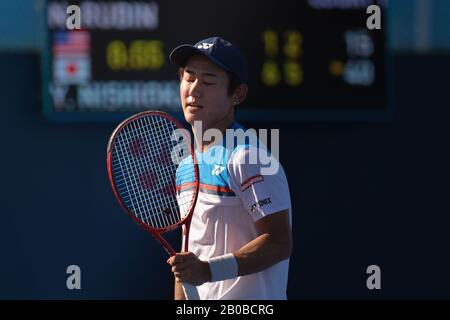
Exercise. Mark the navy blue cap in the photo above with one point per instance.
(224, 54)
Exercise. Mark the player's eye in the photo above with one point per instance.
(189, 77)
(208, 81)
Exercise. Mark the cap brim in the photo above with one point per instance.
(181, 54)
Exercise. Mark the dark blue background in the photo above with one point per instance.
(363, 194)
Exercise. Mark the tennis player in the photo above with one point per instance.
(240, 238)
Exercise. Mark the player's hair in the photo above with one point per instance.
(233, 81)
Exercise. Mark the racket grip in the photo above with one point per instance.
(190, 291)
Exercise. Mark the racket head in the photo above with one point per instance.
(143, 174)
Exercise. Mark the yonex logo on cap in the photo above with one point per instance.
(205, 45)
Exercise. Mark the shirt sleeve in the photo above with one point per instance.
(263, 188)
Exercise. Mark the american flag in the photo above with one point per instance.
(71, 43)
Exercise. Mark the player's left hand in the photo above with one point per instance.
(187, 267)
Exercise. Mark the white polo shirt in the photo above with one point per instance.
(233, 195)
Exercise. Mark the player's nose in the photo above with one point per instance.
(195, 89)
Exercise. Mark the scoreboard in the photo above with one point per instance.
(308, 59)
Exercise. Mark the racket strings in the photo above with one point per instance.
(134, 196)
(143, 198)
(161, 203)
(142, 202)
(146, 179)
(165, 177)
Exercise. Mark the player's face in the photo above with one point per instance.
(203, 91)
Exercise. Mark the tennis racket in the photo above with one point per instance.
(154, 176)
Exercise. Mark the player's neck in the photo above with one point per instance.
(222, 125)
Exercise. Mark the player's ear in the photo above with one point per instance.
(240, 94)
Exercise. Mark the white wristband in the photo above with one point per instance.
(223, 267)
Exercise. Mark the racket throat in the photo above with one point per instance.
(165, 244)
